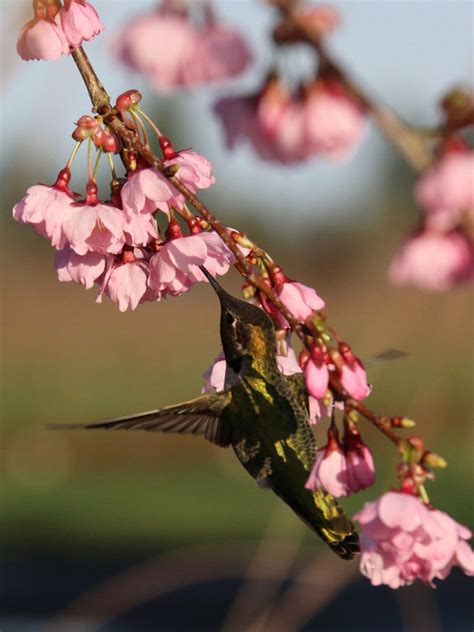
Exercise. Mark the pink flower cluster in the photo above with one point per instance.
(340, 367)
(174, 53)
(322, 118)
(117, 244)
(56, 30)
(343, 468)
(404, 540)
(441, 254)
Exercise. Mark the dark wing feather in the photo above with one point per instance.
(200, 416)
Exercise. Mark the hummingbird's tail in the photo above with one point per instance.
(324, 515)
(334, 526)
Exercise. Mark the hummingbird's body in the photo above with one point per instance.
(263, 415)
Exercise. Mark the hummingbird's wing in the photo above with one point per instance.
(200, 416)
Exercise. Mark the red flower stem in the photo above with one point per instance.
(101, 105)
(409, 142)
(381, 423)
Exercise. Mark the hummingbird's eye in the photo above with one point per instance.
(229, 319)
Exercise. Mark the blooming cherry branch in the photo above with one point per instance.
(117, 244)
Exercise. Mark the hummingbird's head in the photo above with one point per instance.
(247, 332)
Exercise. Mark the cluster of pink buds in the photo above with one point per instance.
(177, 46)
(56, 29)
(343, 468)
(319, 118)
(92, 127)
(116, 243)
(440, 254)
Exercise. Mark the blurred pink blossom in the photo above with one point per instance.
(403, 540)
(46, 208)
(175, 267)
(223, 53)
(175, 53)
(84, 269)
(42, 38)
(446, 190)
(79, 21)
(95, 228)
(433, 261)
(320, 119)
(335, 120)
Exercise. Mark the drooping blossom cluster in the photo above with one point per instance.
(284, 126)
(404, 540)
(440, 254)
(180, 47)
(343, 468)
(288, 123)
(116, 243)
(56, 30)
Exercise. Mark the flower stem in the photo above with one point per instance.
(73, 154)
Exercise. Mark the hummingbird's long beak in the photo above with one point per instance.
(215, 285)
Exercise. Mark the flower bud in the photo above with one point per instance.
(128, 100)
(402, 422)
(167, 148)
(431, 459)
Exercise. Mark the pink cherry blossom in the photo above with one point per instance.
(127, 284)
(433, 261)
(139, 228)
(403, 540)
(79, 21)
(300, 299)
(162, 47)
(224, 52)
(446, 190)
(319, 119)
(84, 269)
(360, 469)
(195, 171)
(42, 38)
(46, 208)
(354, 380)
(335, 121)
(175, 267)
(148, 190)
(96, 228)
(330, 469)
(176, 53)
(317, 378)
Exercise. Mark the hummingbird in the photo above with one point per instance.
(262, 414)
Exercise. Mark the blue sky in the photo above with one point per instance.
(406, 53)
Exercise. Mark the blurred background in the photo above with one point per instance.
(134, 532)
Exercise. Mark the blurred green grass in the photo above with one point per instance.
(67, 359)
